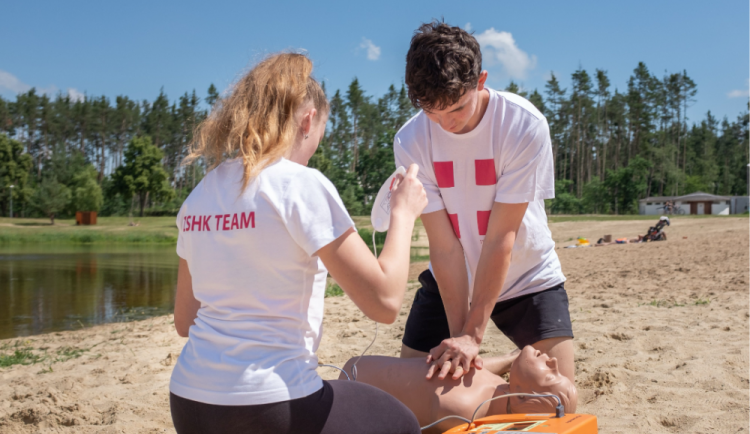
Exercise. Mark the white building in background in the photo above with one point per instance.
(693, 203)
(740, 204)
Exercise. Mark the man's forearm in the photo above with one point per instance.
(491, 272)
(450, 273)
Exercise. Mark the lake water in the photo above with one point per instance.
(52, 288)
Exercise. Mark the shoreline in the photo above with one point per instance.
(163, 231)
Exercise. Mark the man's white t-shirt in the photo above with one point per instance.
(507, 158)
(252, 258)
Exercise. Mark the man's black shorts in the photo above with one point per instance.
(524, 320)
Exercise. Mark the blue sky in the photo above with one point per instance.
(135, 48)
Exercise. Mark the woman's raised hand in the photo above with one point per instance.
(408, 195)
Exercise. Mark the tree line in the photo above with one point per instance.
(611, 147)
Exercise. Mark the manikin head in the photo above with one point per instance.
(445, 77)
(535, 372)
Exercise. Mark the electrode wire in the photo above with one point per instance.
(446, 418)
(335, 367)
(453, 416)
(559, 403)
(354, 366)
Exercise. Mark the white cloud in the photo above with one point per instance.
(468, 28)
(373, 51)
(739, 93)
(500, 47)
(10, 82)
(75, 94)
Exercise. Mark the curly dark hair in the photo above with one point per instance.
(442, 63)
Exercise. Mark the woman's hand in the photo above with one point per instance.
(408, 195)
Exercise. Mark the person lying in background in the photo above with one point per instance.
(531, 371)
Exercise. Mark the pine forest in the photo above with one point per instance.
(612, 146)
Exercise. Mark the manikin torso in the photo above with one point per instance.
(433, 399)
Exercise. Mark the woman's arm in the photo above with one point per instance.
(377, 286)
(185, 305)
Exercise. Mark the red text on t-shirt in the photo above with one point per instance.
(222, 222)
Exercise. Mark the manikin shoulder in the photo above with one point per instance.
(462, 397)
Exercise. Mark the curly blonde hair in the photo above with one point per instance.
(256, 120)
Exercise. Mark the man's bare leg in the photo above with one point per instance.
(561, 348)
(408, 353)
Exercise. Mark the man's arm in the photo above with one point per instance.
(449, 267)
(460, 352)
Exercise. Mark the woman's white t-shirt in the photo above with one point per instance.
(251, 255)
(507, 158)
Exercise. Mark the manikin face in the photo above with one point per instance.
(535, 372)
(457, 118)
(534, 368)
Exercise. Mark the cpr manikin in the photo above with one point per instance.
(431, 400)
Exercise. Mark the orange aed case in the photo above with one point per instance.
(537, 423)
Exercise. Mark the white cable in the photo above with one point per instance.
(445, 418)
(354, 366)
(559, 403)
(335, 367)
(559, 412)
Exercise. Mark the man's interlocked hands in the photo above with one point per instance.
(455, 355)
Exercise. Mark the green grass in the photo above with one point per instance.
(21, 356)
(364, 222)
(20, 353)
(67, 353)
(116, 230)
(334, 290)
(162, 230)
(108, 230)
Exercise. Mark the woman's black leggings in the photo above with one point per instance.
(339, 407)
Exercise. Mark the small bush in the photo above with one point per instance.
(333, 290)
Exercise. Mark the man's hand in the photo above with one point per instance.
(455, 355)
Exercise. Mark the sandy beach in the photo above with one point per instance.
(662, 342)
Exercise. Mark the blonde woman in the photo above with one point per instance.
(257, 238)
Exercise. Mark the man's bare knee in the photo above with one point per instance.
(408, 353)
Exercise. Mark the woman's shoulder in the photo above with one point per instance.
(286, 174)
